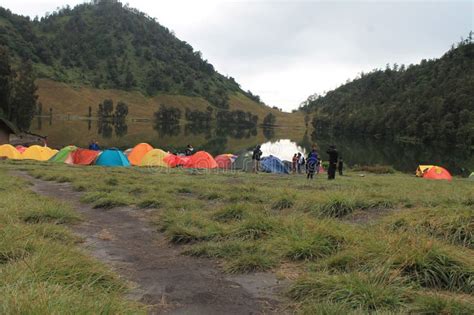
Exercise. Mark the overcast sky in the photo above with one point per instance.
(285, 51)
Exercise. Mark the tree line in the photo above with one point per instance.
(429, 102)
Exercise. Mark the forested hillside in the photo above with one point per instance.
(105, 44)
(429, 102)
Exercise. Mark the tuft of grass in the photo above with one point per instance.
(230, 213)
(312, 248)
(337, 208)
(111, 181)
(255, 228)
(184, 190)
(367, 292)
(250, 262)
(283, 203)
(438, 304)
(435, 268)
(150, 204)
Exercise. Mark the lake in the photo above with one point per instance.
(282, 142)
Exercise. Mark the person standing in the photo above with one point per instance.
(294, 163)
(256, 156)
(333, 157)
(311, 163)
(301, 162)
(340, 166)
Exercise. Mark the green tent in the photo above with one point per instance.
(243, 162)
(62, 155)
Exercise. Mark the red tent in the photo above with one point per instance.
(224, 161)
(84, 157)
(176, 160)
(201, 159)
(437, 172)
(21, 148)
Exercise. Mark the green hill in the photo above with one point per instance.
(106, 45)
(429, 102)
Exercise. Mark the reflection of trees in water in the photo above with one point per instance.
(216, 146)
(198, 129)
(402, 156)
(167, 129)
(236, 132)
(121, 128)
(268, 132)
(104, 128)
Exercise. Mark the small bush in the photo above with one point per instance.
(230, 213)
(375, 169)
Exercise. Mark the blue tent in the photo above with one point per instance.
(272, 164)
(112, 157)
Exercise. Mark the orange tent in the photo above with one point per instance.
(84, 156)
(201, 159)
(437, 172)
(139, 151)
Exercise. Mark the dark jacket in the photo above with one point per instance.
(333, 155)
(257, 154)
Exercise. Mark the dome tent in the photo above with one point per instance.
(63, 154)
(201, 159)
(10, 152)
(225, 161)
(438, 173)
(243, 162)
(155, 157)
(422, 169)
(38, 153)
(138, 152)
(272, 164)
(113, 157)
(84, 156)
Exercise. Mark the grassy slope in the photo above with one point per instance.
(41, 269)
(385, 243)
(66, 99)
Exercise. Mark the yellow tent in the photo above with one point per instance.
(422, 169)
(38, 153)
(10, 152)
(155, 157)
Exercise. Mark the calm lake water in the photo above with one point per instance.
(281, 142)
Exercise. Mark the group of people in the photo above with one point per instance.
(312, 162)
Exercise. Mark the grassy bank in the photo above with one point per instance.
(385, 243)
(42, 271)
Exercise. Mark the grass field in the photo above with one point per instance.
(381, 243)
(42, 271)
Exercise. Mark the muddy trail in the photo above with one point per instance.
(168, 281)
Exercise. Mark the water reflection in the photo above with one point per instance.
(280, 142)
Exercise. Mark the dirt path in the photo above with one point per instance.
(170, 282)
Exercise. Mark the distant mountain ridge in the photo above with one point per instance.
(429, 102)
(105, 44)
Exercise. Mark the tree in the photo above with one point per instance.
(24, 101)
(269, 120)
(6, 76)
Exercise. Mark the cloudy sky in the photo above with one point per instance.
(286, 50)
